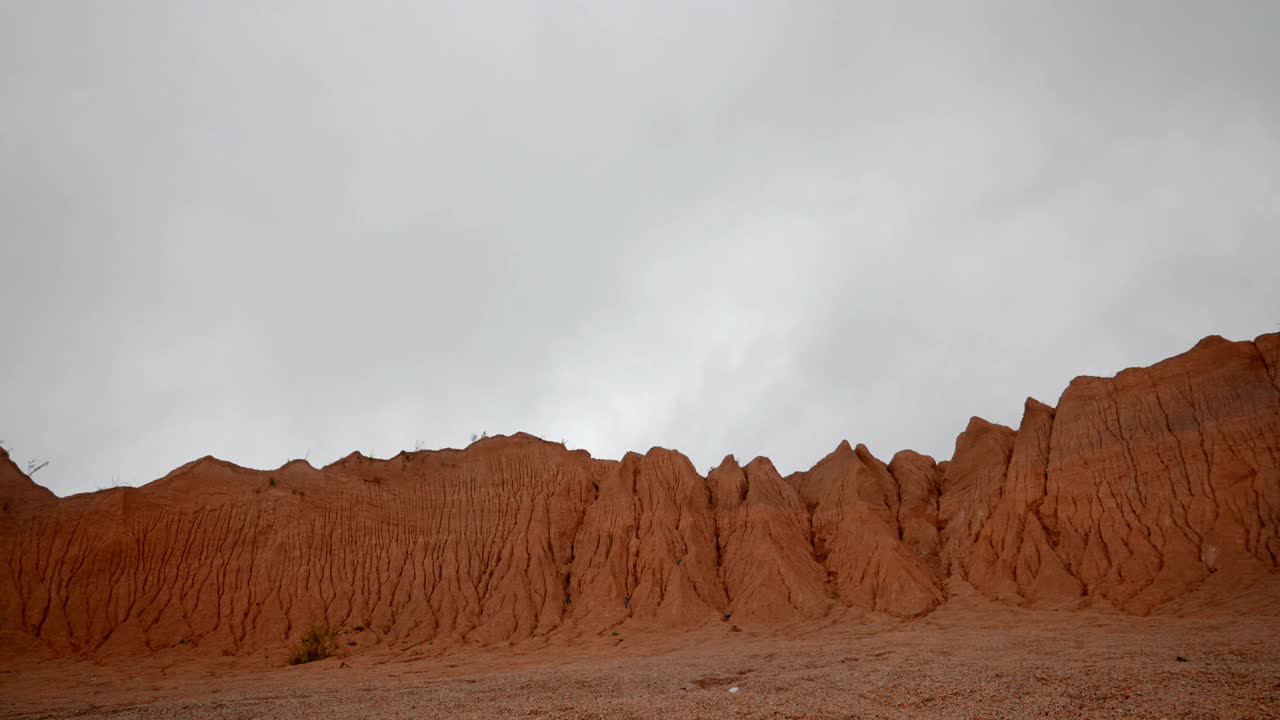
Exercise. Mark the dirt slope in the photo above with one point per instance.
(1154, 489)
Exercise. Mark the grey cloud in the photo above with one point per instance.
(259, 230)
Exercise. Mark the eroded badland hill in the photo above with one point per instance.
(1155, 493)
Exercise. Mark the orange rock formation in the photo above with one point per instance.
(1155, 487)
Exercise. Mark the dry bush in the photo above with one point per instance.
(317, 643)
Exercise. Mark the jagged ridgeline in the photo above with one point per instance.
(1160, 485)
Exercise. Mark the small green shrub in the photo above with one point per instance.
(317, 643)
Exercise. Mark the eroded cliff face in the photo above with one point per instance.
(646, 548)
(1135, 491)
(856, 515)
(449, 545)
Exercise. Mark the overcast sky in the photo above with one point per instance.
(264, 230)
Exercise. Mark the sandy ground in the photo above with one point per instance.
(970, 659)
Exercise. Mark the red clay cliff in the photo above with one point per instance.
(1154, 489)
